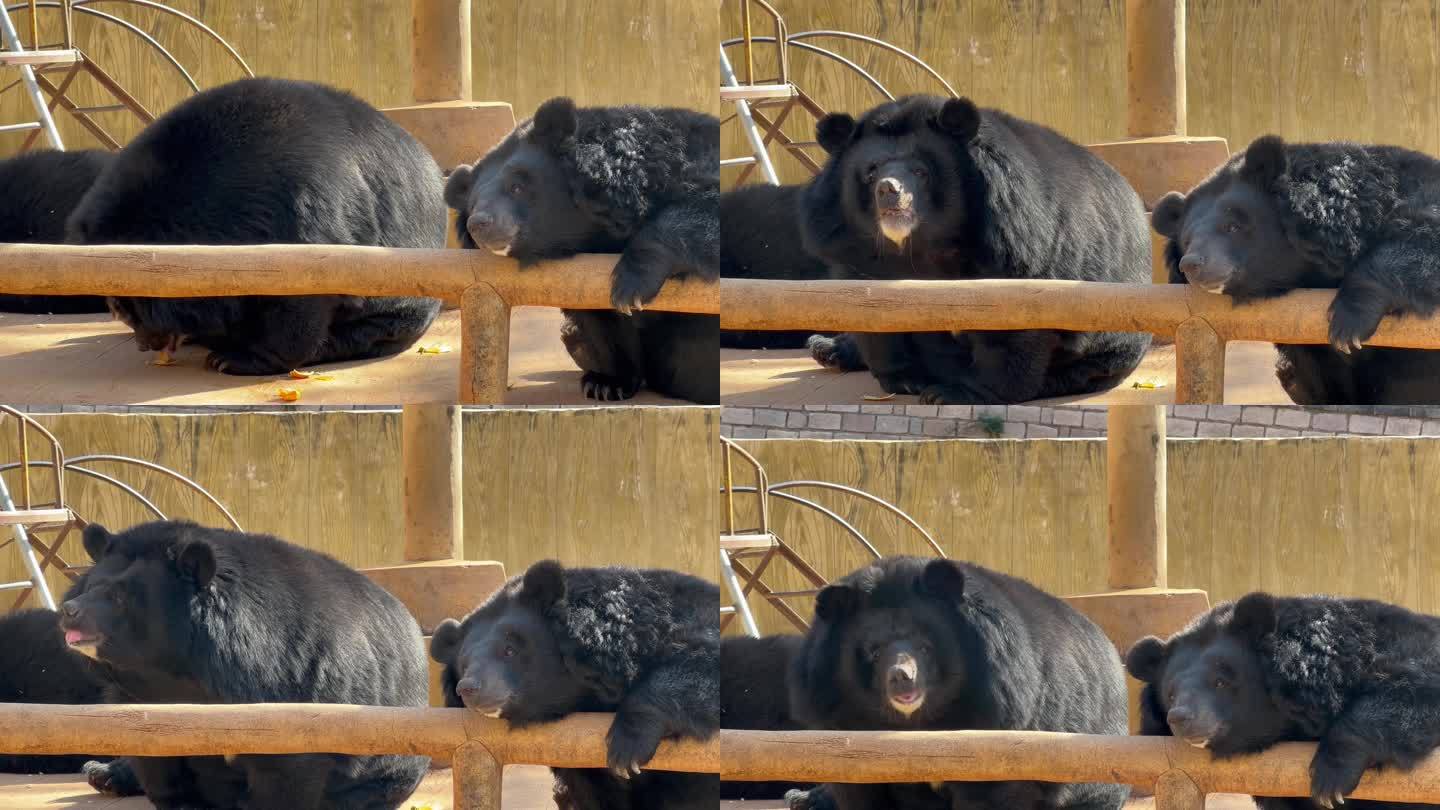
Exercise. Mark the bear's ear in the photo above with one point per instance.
(543, 585)
(959, 118)
(1145, 659)
(457, 187)
(1165, 219)
(1265, 161)
(1254, 615)
(554, 122)
(834, 131)
(836, 602)
(943, 579)
(96, 539)
(444, 641)
(196, 561)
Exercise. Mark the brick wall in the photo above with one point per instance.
(885, 421)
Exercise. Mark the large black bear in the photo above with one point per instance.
(1359, 219)
(186, 614)
(930, 644)
(38, 667)
(930, 188)
(760, 238)
(262, 161)
(1360, 677)
(38, 190)
(643, 644)
(640, 181)
(754, 695)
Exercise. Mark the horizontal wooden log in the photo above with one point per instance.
(186, 271)
(978, 756)
(912, 306)
(577, 741)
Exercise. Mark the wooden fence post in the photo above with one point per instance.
(1175, 790)
(431, 456)
(485, 346)
(1199, 364)
(478, 778)
(1155, 70)
(1135, 464)
(440, 46)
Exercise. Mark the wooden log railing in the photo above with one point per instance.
(1178, 774)
(1201, 323)
(484, 285)
(479, 747)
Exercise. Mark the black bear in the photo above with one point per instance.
(1361, 678)
(640, 181)
(38, 190)
(38, 667)
(642, 643)
(754, 695)
(1354, 218)
(262, 161)
(916, 644)
(760, 238)
(930, 188)
(186, 614)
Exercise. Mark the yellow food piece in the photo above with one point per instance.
(878, 398)
(163, 358)
(1151, 384)
(299, 375)
(435, 348)
(288, 395)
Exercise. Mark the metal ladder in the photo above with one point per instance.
(15, 55)
(19, 519)
(741, 95)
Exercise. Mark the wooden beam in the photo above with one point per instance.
(440, 48)
(578, 741)
(457, 132)
(485, 332)
(430, 454)
(1128, 616)
(1135, 474)
(1157, 166)
(918, 306)
(581, 282)
(478, 778)
(1199, 362)
(1155, 67)
(440, 589)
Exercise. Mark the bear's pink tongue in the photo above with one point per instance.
(73, 637)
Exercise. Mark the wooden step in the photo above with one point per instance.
(749, 92)
(34, 517)
(61, 57)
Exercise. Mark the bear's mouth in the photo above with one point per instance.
(82, 642)
(908, 701)
(1198, 742)
(897, 224)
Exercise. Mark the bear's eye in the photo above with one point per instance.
(516, 187)
(1234, 227)
(870, 172)
(1221, 683)
(922, 173)
(508, 652)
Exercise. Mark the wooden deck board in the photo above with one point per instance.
(91, 360)
(779, 378)
(1217, 801)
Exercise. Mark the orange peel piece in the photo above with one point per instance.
(163, 358)
(288, 395)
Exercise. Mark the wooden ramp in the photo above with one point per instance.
(92, 360)
(778, 378)
(527, 787)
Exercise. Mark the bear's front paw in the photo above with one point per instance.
(98, 775)
(816, 798)
(630, 744)
(241, 363)
(839, 352)
(607, 388)
(632, 289)
(1351, 325)
(1334, 775)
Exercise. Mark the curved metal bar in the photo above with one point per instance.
(153, 467)
(101, 476)
(854, 532)
(860, 493)
(136, 30)
(879, 43)
(161, 7)
(864, 74)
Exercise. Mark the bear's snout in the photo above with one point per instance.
(490, 232)
(1208, 276)
(1190, 726)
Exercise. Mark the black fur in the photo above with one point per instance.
(640, 181)
(981, 649)
(187, 614)
(1363, 220)
(38, 190)
(754, 695)
(1360, 677)
(262, 161)
(37, 667)
(642, 643)
(974, 194)
(760, 238)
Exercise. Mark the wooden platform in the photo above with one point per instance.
(1218, 801)
(791, 377)
(92, 360)
(527, 787)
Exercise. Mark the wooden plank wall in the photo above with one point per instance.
(589, 487)
(1316, 70)
(598, 51)
(1353, 516)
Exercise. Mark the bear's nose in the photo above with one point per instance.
(888, 191)
(467, 690)
(480, 219)
(1192, 262)
(902, 672)
(70, 610)
(1179, 717)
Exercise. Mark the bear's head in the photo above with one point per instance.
(1208, 684)
(520, 200)
(904, 168)
(1232, 235)
(894, 641)
(135, 606)
(506, 659)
